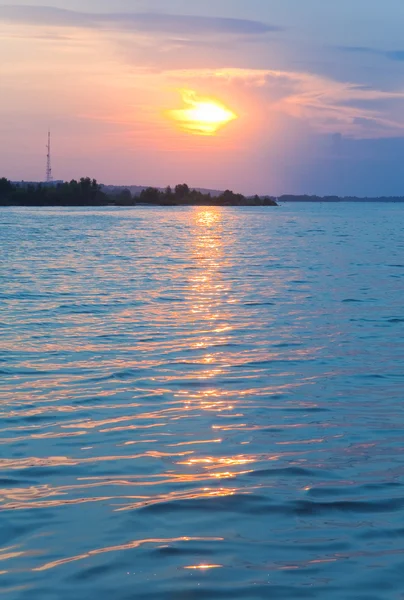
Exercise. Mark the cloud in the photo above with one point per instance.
(137, 22)
(358, 49)
(396, 55)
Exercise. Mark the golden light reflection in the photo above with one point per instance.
(202, 116)
(129, 546)
(207, 217)
(196, 443)
(208, 300)
(196, 494)
(132, 490)
(203, 567)
(219, 462)
(65, 461)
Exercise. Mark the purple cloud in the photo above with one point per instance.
(139, 22)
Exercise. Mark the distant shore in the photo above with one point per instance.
(88, 192)
(337, 199)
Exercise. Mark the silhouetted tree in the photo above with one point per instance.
(6, 187)
(87, 192)
(150, 195)
(124, 198)
(181, 191)
(229, 198)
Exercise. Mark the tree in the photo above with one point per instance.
(124, 198)
(6, 187)
(268, 201)
(181, 191)
(150, 196)
(229, 198)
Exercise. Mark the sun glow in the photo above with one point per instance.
(204, 116)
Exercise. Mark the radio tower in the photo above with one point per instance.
(49, 177)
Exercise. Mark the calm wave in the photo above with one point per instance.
(202, 403)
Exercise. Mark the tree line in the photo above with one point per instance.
(88, 192)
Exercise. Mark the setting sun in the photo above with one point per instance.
(203, 116)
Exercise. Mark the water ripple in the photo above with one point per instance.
(202, 403)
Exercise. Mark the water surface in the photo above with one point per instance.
(201, 404)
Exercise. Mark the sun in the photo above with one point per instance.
(203, 116)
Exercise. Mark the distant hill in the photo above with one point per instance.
(44, 183)
(136, 189)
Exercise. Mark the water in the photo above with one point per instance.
(202, 403)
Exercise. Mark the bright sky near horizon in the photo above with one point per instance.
(267, 96)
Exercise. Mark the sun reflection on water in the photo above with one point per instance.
(164, 396)
(203, 567)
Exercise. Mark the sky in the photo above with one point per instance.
(311, 93)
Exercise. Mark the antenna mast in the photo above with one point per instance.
(49, 177)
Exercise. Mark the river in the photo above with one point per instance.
(202, 403)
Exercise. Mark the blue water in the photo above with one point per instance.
(200, 404)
